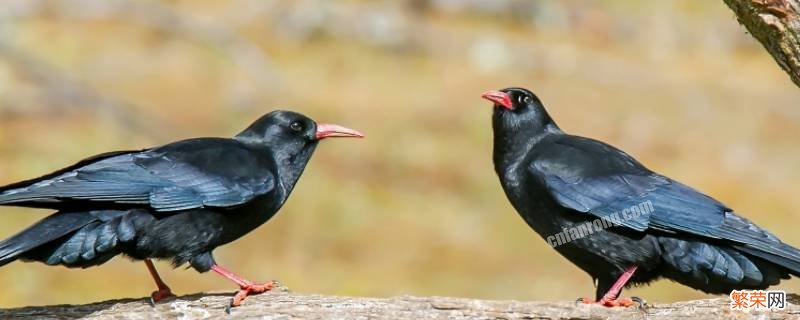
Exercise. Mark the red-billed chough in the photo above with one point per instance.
(179, 201)
(618, 221)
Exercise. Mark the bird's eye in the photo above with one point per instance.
(296, 126)
(527, 100)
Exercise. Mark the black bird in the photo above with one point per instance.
(179, 201)
(618, 221)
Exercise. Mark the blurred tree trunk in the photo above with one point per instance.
(776, 24)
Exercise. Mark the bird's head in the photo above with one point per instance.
(518, 108)
(519, 121)
(291, 132)
(291, 139)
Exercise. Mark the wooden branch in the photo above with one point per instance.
(776, 24)
(288, 306)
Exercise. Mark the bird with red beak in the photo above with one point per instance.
(176, 202)
(620, 222)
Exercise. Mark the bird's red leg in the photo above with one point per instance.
(163, 291)
(246, 287)
(610, 298)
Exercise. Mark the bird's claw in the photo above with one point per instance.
(247, 290)
(642, 303)
(159, 295)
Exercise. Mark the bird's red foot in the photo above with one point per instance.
(161, 294)
(610, 303)
(250, 289)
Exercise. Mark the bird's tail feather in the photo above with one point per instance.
(785, 256)
(43, 232)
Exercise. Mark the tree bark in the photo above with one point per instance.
(289, 306)
(776, 24)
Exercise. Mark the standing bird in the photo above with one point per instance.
(179, 201)
(618, 221)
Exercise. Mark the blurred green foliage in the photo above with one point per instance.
(415, 208)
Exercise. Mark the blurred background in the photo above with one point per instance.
(415, 208)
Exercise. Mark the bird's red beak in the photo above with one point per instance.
(499, 98)
(332, 130)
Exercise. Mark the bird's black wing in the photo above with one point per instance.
(206, 172)
(591, 177)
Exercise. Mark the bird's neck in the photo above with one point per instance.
(513, 143)
(291, 165)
